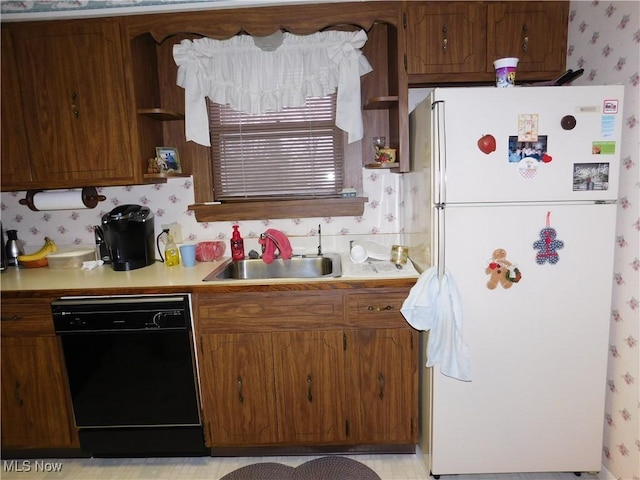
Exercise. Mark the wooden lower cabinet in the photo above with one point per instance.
(382, 365)
(35, 412)
(273, 388)
(36, 404)
(272, 377)
(238, 388)
(310, 387)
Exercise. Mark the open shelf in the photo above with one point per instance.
(381, 103)
(162, 177)
(161, 114)
(389, 166)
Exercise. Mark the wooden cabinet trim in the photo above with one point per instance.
(225, 23)
(30, 317)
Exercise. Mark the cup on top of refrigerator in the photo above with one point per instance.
(506, 72)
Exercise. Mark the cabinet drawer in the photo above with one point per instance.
(27, 316)
(265, 311)
(380, 309)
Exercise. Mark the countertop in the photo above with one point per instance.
(160, 276)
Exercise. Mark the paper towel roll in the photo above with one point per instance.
(71, 200)
(38, 200)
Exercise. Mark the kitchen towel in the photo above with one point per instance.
(434, 305)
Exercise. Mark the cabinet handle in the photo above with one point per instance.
(74, 97)
(16, 393)
(12, 317)
(240, 397)
(309, 387)
(525, 38)
(381, 385)
(380, 309)
(445, 40)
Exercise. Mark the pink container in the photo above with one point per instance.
(210, 251)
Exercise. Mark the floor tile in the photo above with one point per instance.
(388, 467)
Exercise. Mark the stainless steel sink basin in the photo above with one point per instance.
(327, 265)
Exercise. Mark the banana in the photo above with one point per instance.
(48, 247)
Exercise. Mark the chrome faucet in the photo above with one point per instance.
(264, 236)
(319, 240)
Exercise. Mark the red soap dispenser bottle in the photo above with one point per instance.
(237, 245)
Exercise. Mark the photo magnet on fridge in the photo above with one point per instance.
(590, 176)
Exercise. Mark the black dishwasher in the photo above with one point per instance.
(132, 373)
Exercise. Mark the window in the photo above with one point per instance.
(295, 153)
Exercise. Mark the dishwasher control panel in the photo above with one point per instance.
(85, 314)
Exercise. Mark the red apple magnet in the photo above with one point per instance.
(487, 144)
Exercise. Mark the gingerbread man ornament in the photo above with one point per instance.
(501, 271)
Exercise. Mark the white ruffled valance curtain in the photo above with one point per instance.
(238, 73)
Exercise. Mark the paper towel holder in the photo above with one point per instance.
(88, 195)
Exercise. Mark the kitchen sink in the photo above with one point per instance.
(312, 266)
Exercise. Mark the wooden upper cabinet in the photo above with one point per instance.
(534, 32)
(15, 150)
(445, 37)
(75, 103)
(455, 42)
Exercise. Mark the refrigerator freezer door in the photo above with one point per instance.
(576, 155)
(538, 349)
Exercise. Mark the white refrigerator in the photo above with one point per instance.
(523, 183)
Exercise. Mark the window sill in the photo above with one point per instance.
(261, 210)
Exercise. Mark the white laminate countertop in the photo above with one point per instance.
(159, 275)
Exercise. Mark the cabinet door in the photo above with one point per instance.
(380, 376)
(445, 37)
(309, 371)
(74, 92)
(35, 402)
(534, 32)
(15, 152)
(238, 388)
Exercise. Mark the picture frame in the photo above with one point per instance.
(168, 160)
(590, 176)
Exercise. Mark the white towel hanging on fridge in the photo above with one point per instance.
(434, 305)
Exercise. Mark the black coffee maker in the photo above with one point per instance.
(129, 234)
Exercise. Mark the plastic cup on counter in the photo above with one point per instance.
(188, 255)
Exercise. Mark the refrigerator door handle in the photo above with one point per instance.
(440, 152)
(440, 245)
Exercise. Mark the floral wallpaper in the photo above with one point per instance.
(169, 203)
(604, 39)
